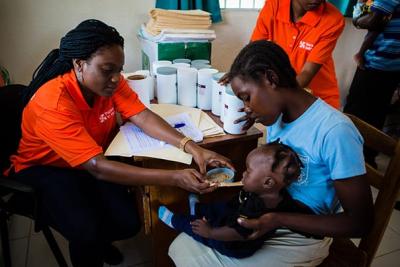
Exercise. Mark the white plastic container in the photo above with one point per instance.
(157, 64)
(232, 105)
(187, 87)
(153, 71)
(166, 85)
(204, 88)
(150, 81)
(181, 65)
(141, 85)
(217, 92)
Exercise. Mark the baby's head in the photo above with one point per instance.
(271, 167)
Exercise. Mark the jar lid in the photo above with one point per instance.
(201, 61)
(166, 70)
(182, 60)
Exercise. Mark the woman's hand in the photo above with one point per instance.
(262, 225)
(224, 79)
(191, 180)
(248, 118)
(204, 157)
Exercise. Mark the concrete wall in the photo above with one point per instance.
(31, 28)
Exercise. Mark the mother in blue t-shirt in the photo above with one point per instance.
(332, 182)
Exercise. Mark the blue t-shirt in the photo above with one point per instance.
(330, 147)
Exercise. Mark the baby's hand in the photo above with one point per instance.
(201, 228)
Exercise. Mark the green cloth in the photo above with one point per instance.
(344, 6)
(211, 6)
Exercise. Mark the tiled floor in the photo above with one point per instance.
(30, 249)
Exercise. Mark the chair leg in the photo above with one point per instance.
(5, 242)
(54, 246)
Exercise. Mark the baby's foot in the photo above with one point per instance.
(165, 215)
(193, 200)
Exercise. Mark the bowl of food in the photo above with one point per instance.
(220, 175)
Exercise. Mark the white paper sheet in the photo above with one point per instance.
(120, 146)
(139, 141)
(188, 128)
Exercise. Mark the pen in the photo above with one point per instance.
(179, 125)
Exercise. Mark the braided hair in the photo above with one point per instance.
(79, 43)
(258, 59)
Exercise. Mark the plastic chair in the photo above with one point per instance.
(15, 197)
(343, 252)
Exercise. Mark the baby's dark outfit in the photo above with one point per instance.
(247, 205)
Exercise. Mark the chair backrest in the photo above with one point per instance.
(11, 107)
(387, 183)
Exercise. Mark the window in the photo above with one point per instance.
(244, 4)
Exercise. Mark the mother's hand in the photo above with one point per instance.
(204, 157)
(248, 118)
(262, 225)
(191, 180)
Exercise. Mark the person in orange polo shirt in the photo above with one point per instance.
(68, 121)
(307, 30)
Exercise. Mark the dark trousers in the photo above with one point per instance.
(88, 212)
(211, 212)
(369, 98)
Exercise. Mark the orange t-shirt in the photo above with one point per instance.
(313, 38)
(60, 129)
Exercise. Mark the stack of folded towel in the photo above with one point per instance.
(161, 19)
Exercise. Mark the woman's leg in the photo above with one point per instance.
(284, 250)
(119, 210)
(70, 204)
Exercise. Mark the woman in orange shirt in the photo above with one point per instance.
(66, 125)
(308, 31)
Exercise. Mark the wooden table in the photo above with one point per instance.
(235, 147)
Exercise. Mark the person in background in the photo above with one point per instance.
(363, 8)
(67, 123)
(375, 82)
(330, 148)
(308, 31)
(270, 169)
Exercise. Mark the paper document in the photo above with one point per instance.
(120, 146)
(139, 141)
(182, 123)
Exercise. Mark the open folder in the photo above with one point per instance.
(120, 146)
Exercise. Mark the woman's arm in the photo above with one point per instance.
(155, 126)
(121, 173)
(374, 21)
(188, 179)
(355, 220)
(307, 73)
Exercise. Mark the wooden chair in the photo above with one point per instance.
(343, 252)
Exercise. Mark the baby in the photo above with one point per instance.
(270, 168)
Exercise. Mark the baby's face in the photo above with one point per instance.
(258, 167)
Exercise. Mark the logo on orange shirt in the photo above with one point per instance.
(306, 46)
(107, 115)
